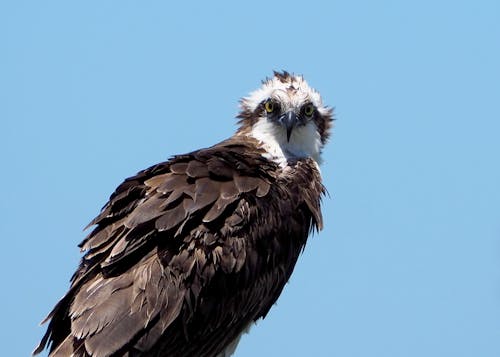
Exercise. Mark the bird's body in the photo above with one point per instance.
(187, 254)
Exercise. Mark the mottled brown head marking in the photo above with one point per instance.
(283, 77)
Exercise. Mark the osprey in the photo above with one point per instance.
(188, 253)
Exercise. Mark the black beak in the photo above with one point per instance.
(288, 120)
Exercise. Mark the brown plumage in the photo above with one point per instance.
(187, 253)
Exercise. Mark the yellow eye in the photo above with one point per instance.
(269, 106)
(308, 110)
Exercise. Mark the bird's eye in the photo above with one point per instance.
(308, 110)
(270, 106)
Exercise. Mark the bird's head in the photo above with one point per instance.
(288, 117)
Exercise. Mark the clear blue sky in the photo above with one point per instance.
(409, 261)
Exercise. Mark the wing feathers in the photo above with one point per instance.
(197, 169)
(217, 208)
(246, 183)
(171, 218)
(189, 249)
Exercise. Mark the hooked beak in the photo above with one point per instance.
(288, 120)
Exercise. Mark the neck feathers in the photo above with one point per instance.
(305, 142)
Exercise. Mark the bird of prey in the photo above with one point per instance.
(189, 253)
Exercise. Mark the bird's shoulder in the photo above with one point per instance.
(172, 197)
